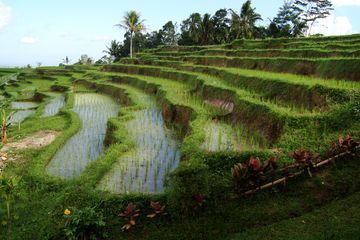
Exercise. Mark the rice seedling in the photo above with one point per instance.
(156, 153)
(54, 106)
(223, 137)
(94, 111)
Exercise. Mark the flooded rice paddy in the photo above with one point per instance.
(19, 116)
(85, 146)
(21, 111)
(156, 153)
(54, 106)
(23, 105)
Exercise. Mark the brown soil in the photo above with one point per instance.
(38, 140)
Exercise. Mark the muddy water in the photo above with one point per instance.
(54, 106)
(157, 152)
(85, 146)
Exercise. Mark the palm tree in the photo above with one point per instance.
(243, 24)
(206, 30)
(195, 26)
(133, 24)
(114, 50)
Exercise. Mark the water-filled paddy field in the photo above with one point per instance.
(54, 106)
(23, 105)
(94, 110)
(21, 110)
(156, 153)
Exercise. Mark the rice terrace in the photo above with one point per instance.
(230, 125)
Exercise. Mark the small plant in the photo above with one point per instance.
(4, 127)
(347, 144)
(253, 174)
(190, 179)
(7, 192)
(342, 145)
(130, 214)
(305, 159)
(200, 200)
(158, 210)
(87, 223)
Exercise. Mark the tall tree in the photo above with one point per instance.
(243, 24)
(313, 10)
(168, 34)
(221, 25)
(206, 30)
(85, 60)
(287, 22)
(190, 30)
(133, 24)
(194, 27)
(153, 39)
(66, 60)
(114, 50)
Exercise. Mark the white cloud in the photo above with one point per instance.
(102, 38)
(65, 35)
(333, 25)
(346, 2)
(5, 15)
(29, 40)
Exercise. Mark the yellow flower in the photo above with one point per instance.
(67, 212)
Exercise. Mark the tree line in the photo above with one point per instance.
(295, 18)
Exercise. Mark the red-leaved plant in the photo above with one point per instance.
(305, 159)
(255, 164)
(347, 144)
(130, 214)
(158, 210)
(342, 145)
(253, 174)
(200, 199)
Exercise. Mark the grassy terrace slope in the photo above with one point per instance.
(170, 124)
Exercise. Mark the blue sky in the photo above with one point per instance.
(46, 31)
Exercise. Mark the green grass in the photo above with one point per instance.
(290, 53)
(225, 116)
(278, 85)
(262, 113)
(338, 68)
(218, 83)
(337, 220)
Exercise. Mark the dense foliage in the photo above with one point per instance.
(294, 19)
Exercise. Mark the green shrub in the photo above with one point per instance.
(84, 223)
(188, 187)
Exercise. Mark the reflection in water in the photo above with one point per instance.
(85, 146)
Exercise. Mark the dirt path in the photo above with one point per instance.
(38, 140)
